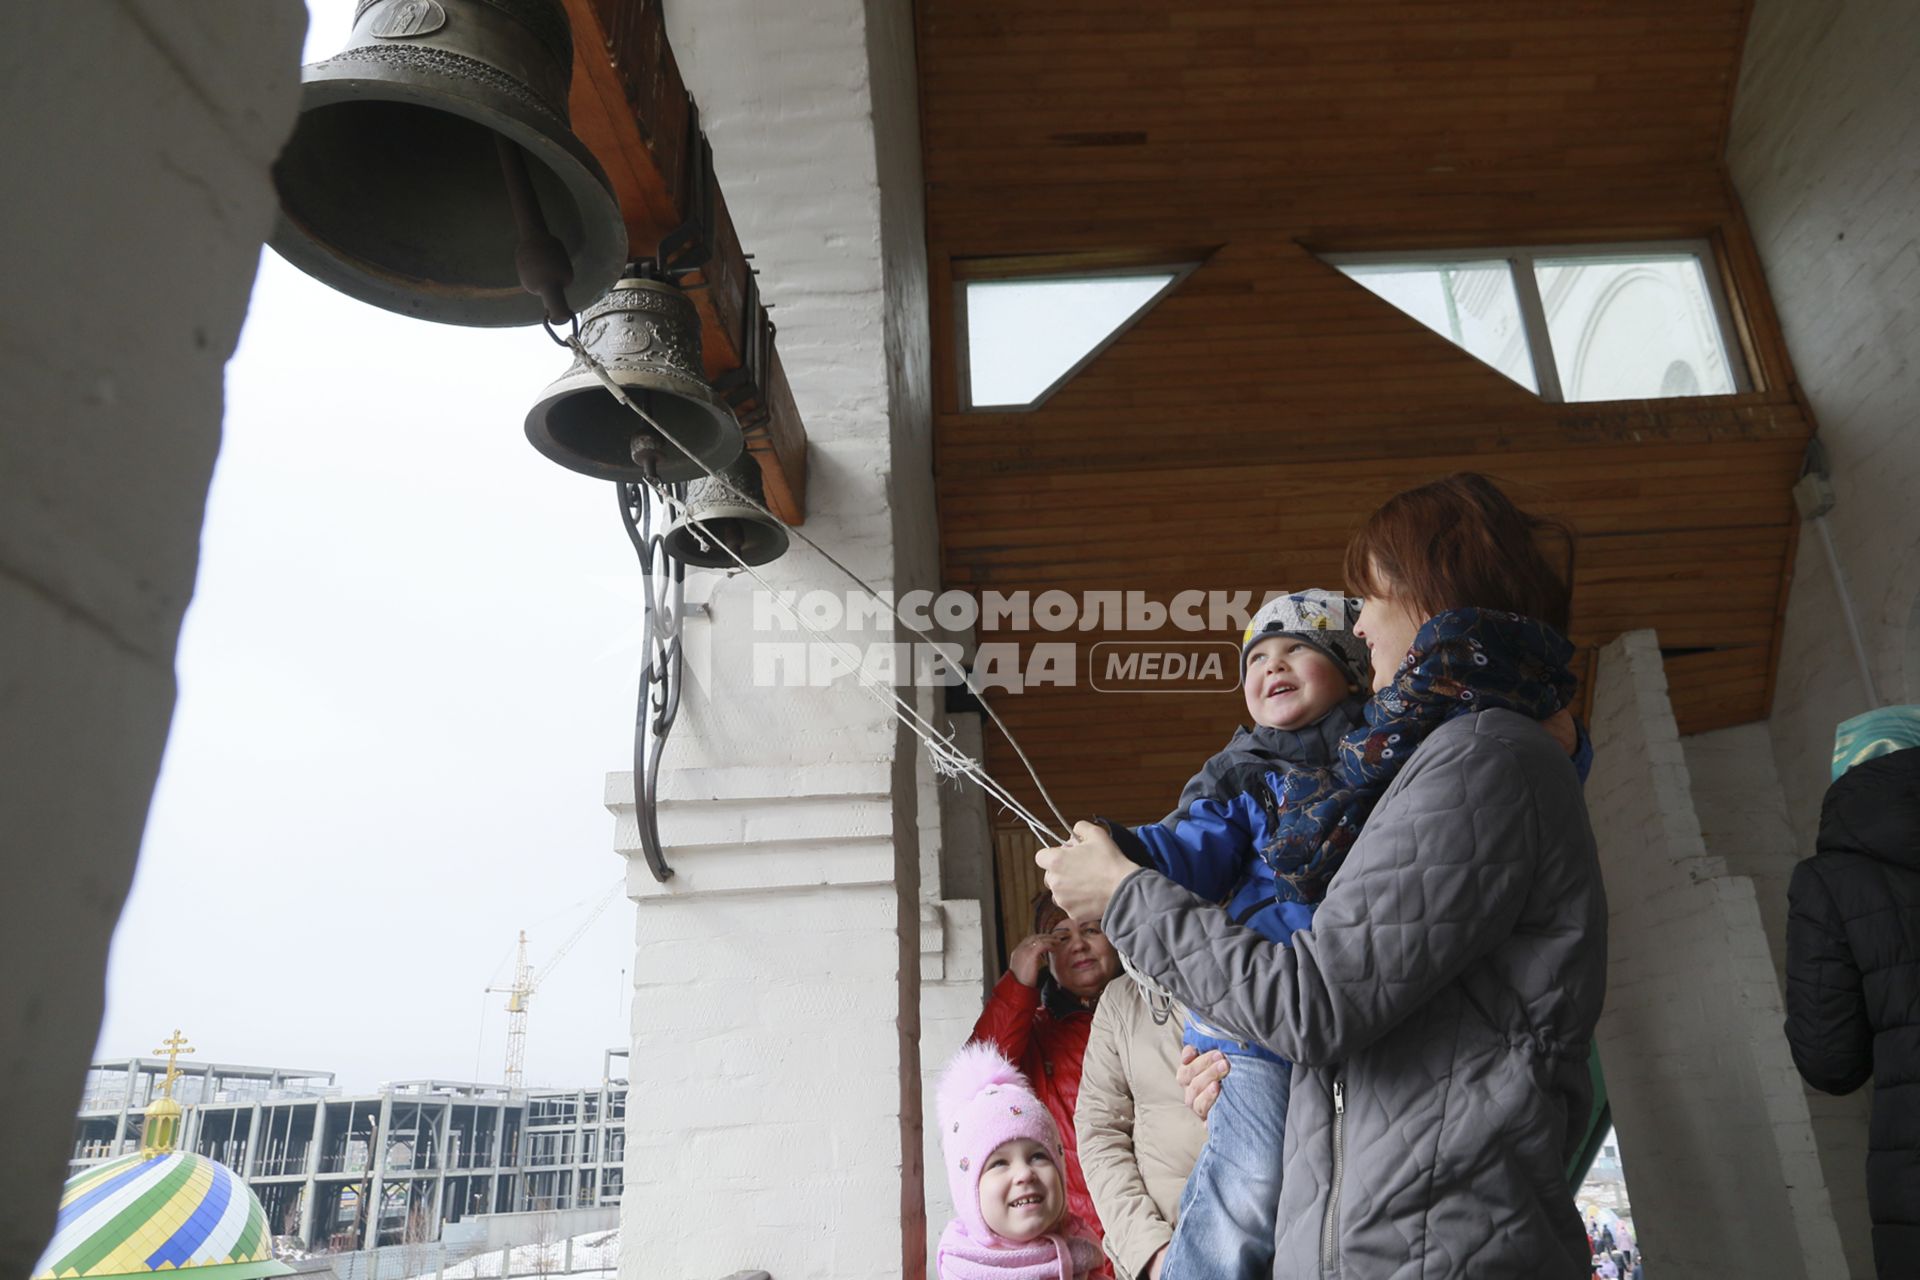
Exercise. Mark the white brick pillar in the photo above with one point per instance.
(774, 1120)
(764, 1118)
(1715, 1134)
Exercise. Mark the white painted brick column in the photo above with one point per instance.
(1715, 1134)
(775, 1115)
(763, 1121)
(956, 845)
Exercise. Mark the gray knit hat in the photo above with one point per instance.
(1324, 619)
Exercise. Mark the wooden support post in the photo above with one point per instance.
(631, 108)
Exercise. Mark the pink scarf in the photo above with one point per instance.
(1055, 1257)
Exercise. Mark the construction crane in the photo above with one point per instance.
(526, 982)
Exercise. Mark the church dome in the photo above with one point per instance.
(159, 1211)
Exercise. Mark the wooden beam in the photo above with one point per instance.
(631, 108)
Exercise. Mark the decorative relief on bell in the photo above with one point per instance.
(405, 19)
(716, 530)
(418, 59)
(647, 335)
(624, 336)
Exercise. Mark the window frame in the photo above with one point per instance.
(1006, 272)
(1520, 260)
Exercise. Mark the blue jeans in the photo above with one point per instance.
(1232, 1198)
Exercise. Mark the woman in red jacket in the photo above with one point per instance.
(1039, 1015)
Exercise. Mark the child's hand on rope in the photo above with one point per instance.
(1084, 873)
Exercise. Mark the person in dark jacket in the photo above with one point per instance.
(1853, 962)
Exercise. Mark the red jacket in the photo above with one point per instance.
(1048, 1050)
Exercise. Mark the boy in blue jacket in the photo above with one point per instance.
(1305, 678)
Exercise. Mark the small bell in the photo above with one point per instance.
(753, 535)
(433, 170)
(647, 334)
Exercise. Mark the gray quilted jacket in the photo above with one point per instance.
(1439, 1013)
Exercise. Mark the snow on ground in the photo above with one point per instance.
(596, 1256)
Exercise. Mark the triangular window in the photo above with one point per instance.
(1025, 337)
(1576, 323)
(1471, 304)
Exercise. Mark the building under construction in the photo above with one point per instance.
(425, 1152)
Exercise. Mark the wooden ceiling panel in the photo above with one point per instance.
(1235, 435)
(1085, 92)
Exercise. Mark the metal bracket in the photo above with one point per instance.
(689, 246)
(665, 608)
(747, 384)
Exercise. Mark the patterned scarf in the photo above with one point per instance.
(1461, 662)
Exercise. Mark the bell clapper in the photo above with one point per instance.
(541, 260)
(645, 451)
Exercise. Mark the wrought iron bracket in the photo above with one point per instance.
(664, 582)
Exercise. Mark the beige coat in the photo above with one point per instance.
(1138, 1141)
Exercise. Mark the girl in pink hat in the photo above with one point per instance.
(1006, 1168)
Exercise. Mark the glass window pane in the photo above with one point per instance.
(1631, 328)
(1025, 335)
(1470, 303)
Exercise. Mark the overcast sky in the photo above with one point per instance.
(409, 663)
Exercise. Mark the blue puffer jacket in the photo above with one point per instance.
(1211, 849)
(1209, 844)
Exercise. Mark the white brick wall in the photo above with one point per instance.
(137, 140)
(954, 842)
(1715, 1135)
(1744, 820)
(778, 1010)
(765, 1125)
(1826, 122)
(949, 1006)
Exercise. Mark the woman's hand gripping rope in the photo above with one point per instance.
(1084, 873)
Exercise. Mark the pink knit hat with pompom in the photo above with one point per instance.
(985, 1101)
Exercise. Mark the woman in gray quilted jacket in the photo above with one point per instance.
(1440, 1010)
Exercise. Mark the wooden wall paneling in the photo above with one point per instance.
(1237, 434)
(946, 343)
(1069, 518)
(1744, 279)
(1019, 881)
(1420, 209)
(618, 115)
(1299, 347)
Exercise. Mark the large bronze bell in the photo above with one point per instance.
(753, 535)
(413, 146)
(647, 334)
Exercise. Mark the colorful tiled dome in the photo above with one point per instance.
(159, 1211)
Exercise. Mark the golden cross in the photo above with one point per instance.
(172, 1047)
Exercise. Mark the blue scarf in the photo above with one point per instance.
(1461, 662)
